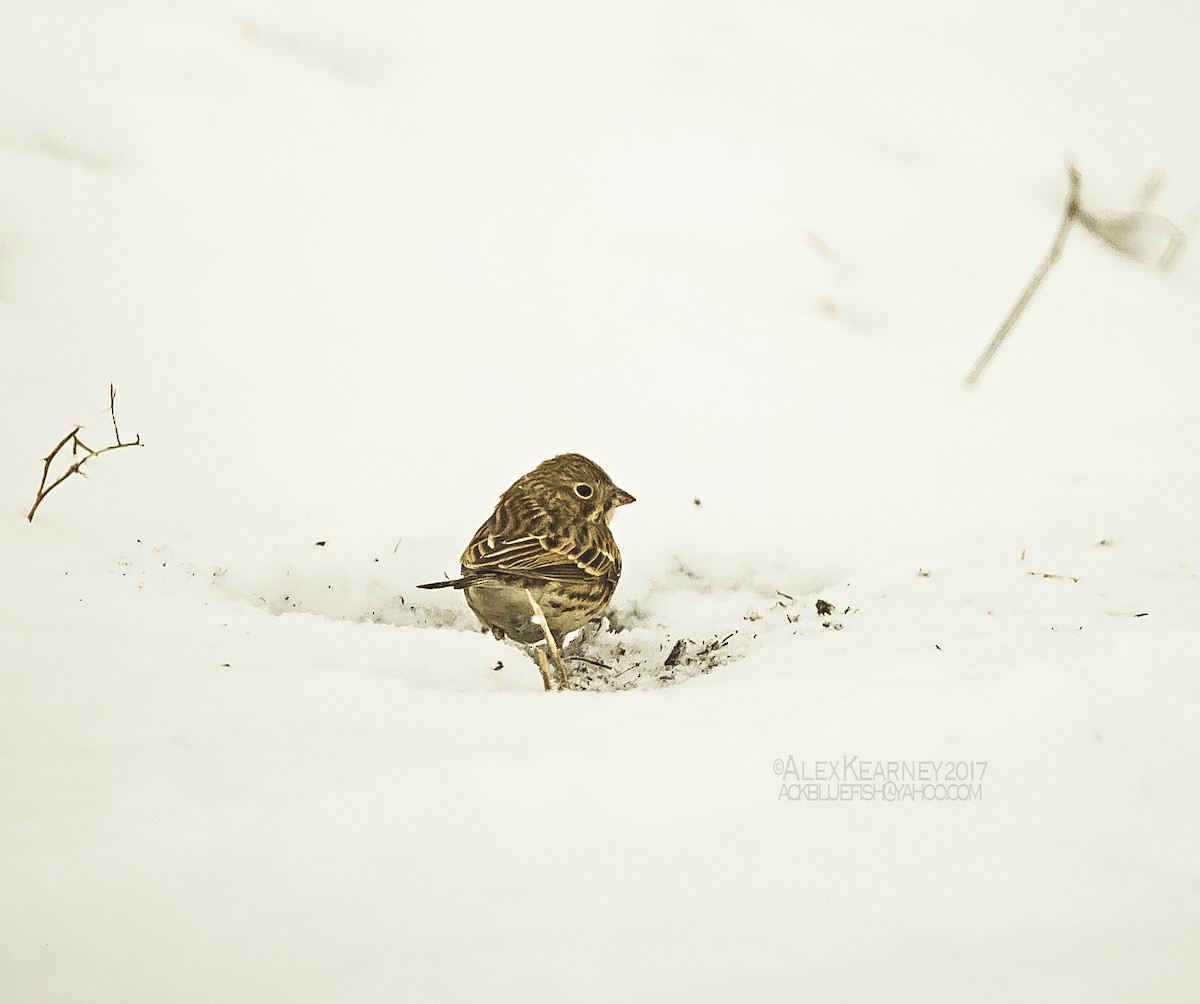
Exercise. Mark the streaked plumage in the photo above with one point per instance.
(549, 534)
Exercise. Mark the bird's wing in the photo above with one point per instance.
(582, 555)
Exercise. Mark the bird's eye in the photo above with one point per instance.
(583, 491)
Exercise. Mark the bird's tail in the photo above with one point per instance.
(446, 584)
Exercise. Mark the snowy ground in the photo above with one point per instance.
(354, 269)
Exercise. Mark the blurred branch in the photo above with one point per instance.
(77, 446)
(1070, 211)
(1138, 235)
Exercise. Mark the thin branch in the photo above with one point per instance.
(112, 410)
(1139, 235)
(1071, 208)
(49, 459)
(77, 445)
(591, 662)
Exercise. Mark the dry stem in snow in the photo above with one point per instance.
(1139, 235)
(77, 446)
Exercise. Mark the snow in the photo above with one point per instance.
(353, 271)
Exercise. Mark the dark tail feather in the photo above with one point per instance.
(445, 584)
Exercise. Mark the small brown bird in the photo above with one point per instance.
(545, 562)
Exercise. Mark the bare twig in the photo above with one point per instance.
(1071, 209)
(1149, 192)
(591, 662)
(77, 446)
(1140, 235)
(626, 670)
(112, 410)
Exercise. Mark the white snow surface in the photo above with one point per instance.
(354, 268)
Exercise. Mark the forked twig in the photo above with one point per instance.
(1134, 235)
(77, 445)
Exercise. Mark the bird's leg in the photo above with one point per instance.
(539, 618)
(540, 659)
(563, 682)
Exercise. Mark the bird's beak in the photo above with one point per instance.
(623, 497)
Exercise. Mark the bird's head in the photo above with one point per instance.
(573, 484)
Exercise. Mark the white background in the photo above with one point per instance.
(353, 268)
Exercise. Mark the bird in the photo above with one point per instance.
(545, 562)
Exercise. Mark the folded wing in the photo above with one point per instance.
(589, 552)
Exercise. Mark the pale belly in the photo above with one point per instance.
(507, 609)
